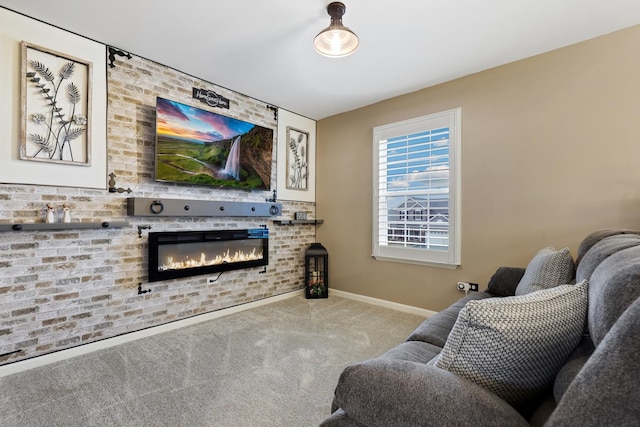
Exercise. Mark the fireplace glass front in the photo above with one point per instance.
(190, 253)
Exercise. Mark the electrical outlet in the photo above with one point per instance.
(467, 286)
(464, 286)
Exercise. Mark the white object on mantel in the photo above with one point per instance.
(51, 217)
(66, 215)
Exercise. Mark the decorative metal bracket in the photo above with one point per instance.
(140, 291)
(112, 185)
(112, 55)
(275, 111)
(142, 227)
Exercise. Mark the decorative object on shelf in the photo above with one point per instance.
(336, 40)
(296, 157)
(66, 214)
(210, 98)
(112, 185)
(112, 55)
(316, 271)
(300, 215)
(57, 113)
(50, 216)
(273, 198)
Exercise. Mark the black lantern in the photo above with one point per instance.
(316, 271)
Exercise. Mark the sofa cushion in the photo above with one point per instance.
(436, 328)
(613, 286)
(548, 268)
(514, 346)
(570, 369)
(381, 392)
(605, 391)
(595, 237)
(504, 281)
(602, 250)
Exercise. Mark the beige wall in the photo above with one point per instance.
(550, 152)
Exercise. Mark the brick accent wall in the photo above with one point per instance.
(60, 289)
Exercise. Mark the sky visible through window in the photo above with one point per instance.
(418, 163)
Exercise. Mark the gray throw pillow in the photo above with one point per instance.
(515, 346)
(548, 268)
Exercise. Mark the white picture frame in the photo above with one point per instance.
(296, 171)
(14, 29)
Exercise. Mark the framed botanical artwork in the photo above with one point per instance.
(297, 174)
(53, 109)
(56, 107)
(296, 160)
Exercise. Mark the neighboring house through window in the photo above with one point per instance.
(416, 203)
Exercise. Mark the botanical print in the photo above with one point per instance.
(297, 159)
(56, 94)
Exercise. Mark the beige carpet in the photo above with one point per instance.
(275, 365)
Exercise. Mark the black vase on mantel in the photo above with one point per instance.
(316, 271)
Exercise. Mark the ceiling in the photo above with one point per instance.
(264, 49)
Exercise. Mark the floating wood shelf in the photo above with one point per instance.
(138, 206)
(63, 226)
(297, 221)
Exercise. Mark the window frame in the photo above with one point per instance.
(451, 257)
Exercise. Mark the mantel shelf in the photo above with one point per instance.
(62, 225)
(297, 221)
(141, 206)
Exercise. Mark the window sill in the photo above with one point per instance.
(409, 261)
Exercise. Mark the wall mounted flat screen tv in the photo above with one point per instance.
(196, 146)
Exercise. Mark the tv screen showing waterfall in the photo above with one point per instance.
(196, 146)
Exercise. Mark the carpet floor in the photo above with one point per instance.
(273, 365)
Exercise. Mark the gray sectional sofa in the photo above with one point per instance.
(530, 350)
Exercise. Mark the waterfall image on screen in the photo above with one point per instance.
(201, 147)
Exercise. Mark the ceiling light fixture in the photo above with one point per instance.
(336, 40)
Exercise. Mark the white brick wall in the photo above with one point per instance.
(59, 289)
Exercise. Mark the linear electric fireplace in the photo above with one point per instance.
(191, 253)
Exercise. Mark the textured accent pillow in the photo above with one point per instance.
(548, 268)
(515, 346)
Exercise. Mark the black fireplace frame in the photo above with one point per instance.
(157, 239)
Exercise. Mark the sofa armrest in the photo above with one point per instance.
(504, 281)
(400, 393)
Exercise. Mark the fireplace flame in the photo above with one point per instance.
(226, 258)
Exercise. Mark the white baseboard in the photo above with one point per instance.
(383, 303)
(46, 359)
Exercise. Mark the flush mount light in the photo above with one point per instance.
(336, 40)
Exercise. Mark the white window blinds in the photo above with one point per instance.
(416, 169)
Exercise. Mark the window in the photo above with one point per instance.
(416, 203)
